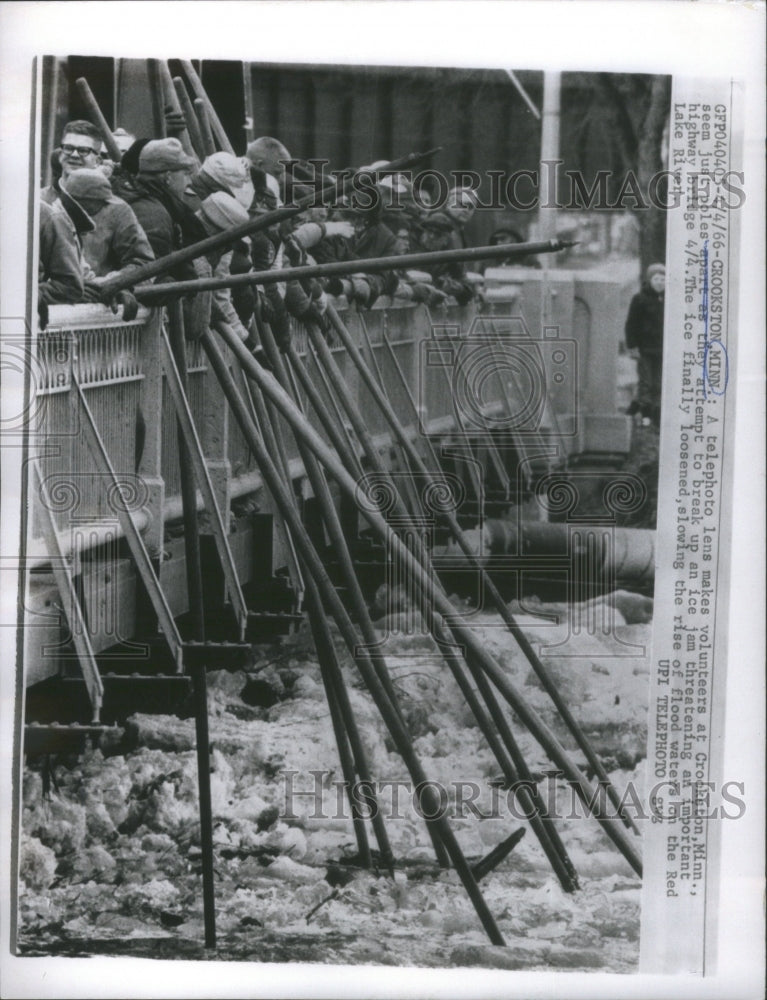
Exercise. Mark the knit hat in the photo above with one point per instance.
(221, 211)
(229, 173)
(88, 183)
(160, 155)
(655, 269)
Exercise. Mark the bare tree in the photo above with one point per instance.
(637, 108)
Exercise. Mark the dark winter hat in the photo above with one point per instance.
(438, 221)
(655, 269)
(130, 157)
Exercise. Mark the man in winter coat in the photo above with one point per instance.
(644, 339)
(157, 200)
(60, 277)
(117, 245)
(438, 232)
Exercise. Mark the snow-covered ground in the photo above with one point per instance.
(110, 859)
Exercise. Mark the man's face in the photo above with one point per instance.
(433, 238)
(178, 181)
(402, 241)
(272, 161)
(78, 151)
(460, 207)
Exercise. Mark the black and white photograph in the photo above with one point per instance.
(374, 427)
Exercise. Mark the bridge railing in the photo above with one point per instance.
(118, 366)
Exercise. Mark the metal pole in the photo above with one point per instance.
(188, 487)
(200, 686)
(197, 614)
(547, 211)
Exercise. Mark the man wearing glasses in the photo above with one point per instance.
(80, 147)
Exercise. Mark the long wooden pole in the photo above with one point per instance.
(463, 634)
(171, 99)
(336, 268)
(429, 801)
(547, 835)
(227, 238)
(199, 91)
(319, 628)
(203, 123)
(192, 125)
(342, 718)
(95, 115)
(449, 518)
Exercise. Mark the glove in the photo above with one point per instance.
(92, 292)
(318, 319)
(129, 302)
(295, 253)
(42, 314)
(335, 286)
(175, 122)
(340, 227)
(280, 325)
(361, 292)
(421, 292)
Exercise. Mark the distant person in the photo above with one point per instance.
(507, 234)
(437, 232)
(644, 340)
(270, 156)
(459, 208)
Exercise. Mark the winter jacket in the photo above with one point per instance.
(644, 324)
(74, 218)
(168, 226)
(376, 240)
(59, 274)
(118, 243)
(222, 308)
